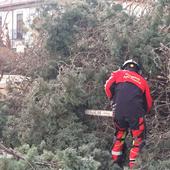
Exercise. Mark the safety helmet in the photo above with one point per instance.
(131, 65)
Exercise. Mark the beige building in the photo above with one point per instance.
(15, 19)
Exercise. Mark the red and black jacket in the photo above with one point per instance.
(129, 91)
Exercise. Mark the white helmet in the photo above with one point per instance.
(130, 64)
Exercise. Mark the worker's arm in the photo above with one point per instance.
(109, 86)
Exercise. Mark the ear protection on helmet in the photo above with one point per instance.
(131, 65)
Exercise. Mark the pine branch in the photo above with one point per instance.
(15, 154)
(18, 156)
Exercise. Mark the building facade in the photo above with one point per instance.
(16, 17)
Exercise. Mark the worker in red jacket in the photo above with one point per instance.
(130, 93)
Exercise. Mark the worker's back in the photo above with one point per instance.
(129, 99)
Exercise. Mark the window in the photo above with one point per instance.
(19, 26)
